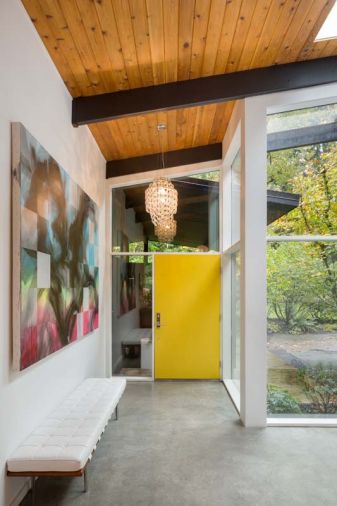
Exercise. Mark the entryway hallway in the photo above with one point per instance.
(181, 444)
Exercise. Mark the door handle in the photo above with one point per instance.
(158, 320)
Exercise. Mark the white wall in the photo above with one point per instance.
(32, 92)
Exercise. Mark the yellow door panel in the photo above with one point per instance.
(187, 296)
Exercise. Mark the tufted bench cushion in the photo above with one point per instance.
(65, 440)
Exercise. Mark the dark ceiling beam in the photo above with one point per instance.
(187, 156)
(204, 90)
(296, 137)
(305, 136)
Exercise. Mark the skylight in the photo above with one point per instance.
(329, 27)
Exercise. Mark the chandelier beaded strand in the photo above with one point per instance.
(166, 230)
(161, 202)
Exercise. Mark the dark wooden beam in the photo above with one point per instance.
(302, 136)
(204, 90)
(276, 141)
(187, 156)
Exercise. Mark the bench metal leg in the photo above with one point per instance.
(116, 412)
(85, 478)
(33, 486)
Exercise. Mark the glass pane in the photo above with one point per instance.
(302, 189)
(235, 317)
(197, 217)
(302, 329)
(235, 198)
(132, 315)
(300, 118)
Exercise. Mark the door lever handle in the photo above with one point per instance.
(158, 320)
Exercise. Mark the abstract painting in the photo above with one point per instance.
(55, 254)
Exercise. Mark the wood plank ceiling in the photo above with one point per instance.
(103, 46)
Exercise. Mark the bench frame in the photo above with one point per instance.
(64, 474)
(38, 474)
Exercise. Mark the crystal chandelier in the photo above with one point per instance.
(161, 200)
(166, 230)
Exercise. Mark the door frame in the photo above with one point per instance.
(218, 254)
(138, 179)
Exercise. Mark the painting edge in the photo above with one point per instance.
(16, 129)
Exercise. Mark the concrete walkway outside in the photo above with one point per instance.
(180, 444)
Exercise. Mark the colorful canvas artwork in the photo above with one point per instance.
(55, 254)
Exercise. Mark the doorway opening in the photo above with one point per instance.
(132, 316)
(135, 249)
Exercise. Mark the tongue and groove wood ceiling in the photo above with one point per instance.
(103, 46)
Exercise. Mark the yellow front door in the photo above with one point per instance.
(187, 308)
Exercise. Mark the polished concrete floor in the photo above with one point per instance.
(180, 444)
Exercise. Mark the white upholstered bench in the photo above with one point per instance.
(63, 444)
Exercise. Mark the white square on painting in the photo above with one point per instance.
(43, 270)
(85, 299)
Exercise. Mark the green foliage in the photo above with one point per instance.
(169, 247)
(135, 247)
(302, 277)
(311, 172)
(300, 294)
(320, 384)
(214, 175)
(281, 402)
(138, 247)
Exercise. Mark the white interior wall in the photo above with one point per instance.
(32, 92)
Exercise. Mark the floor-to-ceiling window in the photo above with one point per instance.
(235, 177)
(231, 266)
(302, 263)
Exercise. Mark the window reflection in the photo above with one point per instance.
(197, 217)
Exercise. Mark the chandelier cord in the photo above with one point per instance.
(160, 128)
